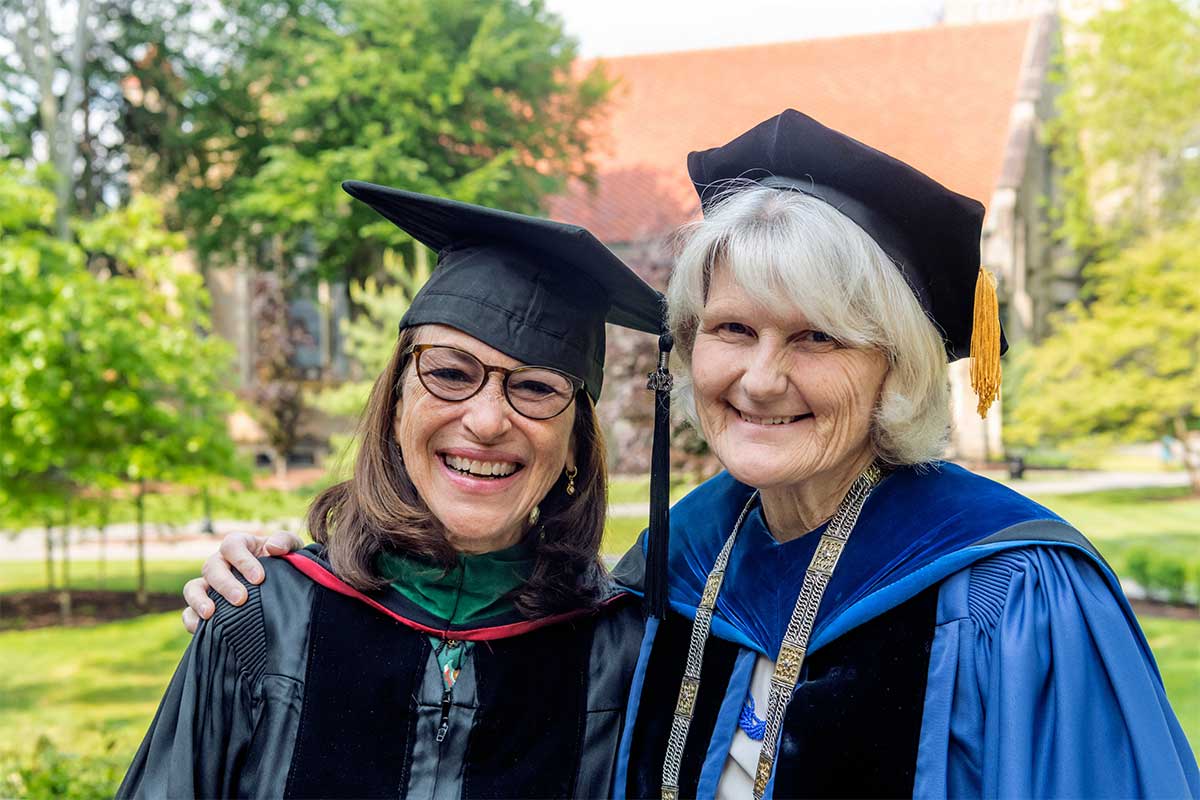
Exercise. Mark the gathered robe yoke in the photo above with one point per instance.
(313, 689)
(971, 643)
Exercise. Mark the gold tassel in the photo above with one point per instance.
(985, 342)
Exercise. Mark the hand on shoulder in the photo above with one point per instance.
(238, 551)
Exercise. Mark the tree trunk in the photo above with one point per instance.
(49, 556)
(68, 145)
(48, 108)
(1191, 458)
(141, 544)
(64, 596)
(103, 540)
(57, 120)
(206, 524)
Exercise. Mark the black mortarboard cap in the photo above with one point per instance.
(930, 232)
(538, 290)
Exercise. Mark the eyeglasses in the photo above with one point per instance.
(455, 375)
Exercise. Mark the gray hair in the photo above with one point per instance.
(778, 246)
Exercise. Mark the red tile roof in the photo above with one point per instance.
(938, 98)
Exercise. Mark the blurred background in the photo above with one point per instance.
(191, 311)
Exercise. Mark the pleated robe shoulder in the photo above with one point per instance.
(971, 643)
(312, 689)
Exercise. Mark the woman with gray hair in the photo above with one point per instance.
(850, 616)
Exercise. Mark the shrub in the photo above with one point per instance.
(1166, 575)
(51, 773)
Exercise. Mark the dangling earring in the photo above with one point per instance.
(534, 516)
(571, 473)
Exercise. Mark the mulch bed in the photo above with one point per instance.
(25, 610)
(1154, 608)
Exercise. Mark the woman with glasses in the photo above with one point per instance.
(452, 633)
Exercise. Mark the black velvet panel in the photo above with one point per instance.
(356, 727)
(528, 732)
(854, 723)
(664, 673)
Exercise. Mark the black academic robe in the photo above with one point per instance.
(312, 689)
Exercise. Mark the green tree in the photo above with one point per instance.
(1127, 137)
(1125, 364)
(480, 101)
(163, 377)
(112, 375)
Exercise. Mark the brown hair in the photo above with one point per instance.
(378, 509)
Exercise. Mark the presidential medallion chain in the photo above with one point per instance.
(690, 687)
(795, 638)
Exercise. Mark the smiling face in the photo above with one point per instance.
(479, 466)
(780, 404)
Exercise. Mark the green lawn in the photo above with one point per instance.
(180, 508)
(636, 489)
(161, 576)
(90, 690)
(1176, 646)
(1168, 518)
(620, 533)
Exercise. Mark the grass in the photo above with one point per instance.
(620, 533)
(1176, 646)
(161, 576)
(90, 690)
(1168, 519)
(181, 508)
(636, 489)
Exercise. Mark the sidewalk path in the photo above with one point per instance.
(186, 542)
(1069, 483)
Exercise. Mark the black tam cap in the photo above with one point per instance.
(930, 232)
(534, 289)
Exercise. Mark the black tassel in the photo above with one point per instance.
(659, 382)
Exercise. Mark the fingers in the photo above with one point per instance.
(240, 550)
(190, 620)
(282, 543)
(195, 594)
(217, 572)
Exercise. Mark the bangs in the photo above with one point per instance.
(799, 255)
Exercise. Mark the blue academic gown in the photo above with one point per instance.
(994, 650)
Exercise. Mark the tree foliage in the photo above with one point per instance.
(1122, 361)
(1127, 137)
(110, 374)
(1125, 365)
(477, 101)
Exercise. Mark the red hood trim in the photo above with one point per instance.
(318, 574)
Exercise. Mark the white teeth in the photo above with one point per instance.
(767, 420)
(483, 469)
